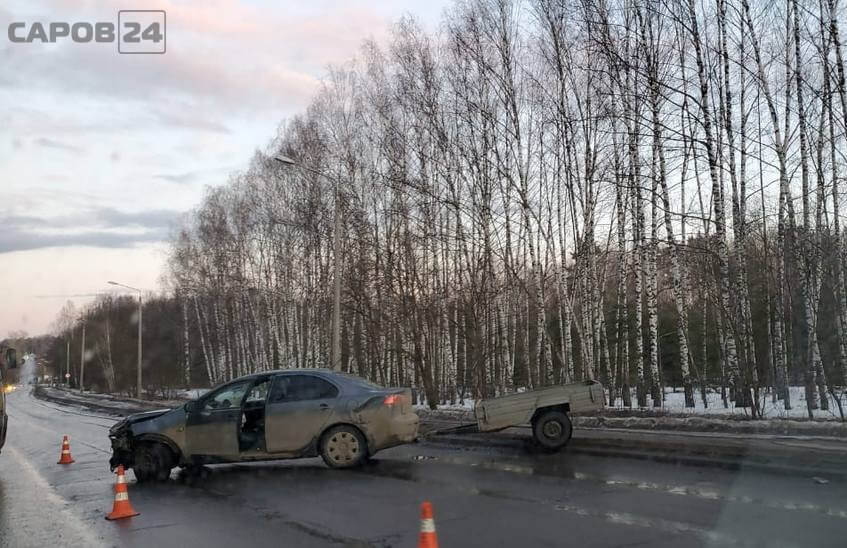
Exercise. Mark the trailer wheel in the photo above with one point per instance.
(552, 430)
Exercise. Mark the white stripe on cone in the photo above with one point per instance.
(427, 526)
(121, 496)
(121, 479)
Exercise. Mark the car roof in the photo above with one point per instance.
(348, 380)
(323, 370)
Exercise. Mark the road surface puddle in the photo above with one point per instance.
(564, 471)
(662, 526)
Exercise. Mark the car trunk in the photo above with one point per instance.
(399, 399)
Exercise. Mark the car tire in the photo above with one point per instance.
(165, 458)
(552, 430)
(343, 446)
(152, 462)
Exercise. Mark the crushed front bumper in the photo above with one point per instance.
(3, 427)
(121, 439)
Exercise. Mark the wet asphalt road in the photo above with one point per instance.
(482, 497)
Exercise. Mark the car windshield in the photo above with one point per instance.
(227, 398)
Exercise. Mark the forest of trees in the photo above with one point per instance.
(111, 342)
(640, 192)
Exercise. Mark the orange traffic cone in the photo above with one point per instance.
(65, 457)
(122, 508)
(427, 538)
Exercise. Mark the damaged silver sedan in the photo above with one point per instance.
(268, 416)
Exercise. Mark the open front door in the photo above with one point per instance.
(213, 422)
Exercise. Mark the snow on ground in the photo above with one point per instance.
(675, 404)
(191, 393)
(466, 405)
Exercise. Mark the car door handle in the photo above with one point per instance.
(323, 406)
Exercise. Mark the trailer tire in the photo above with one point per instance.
(552, 430)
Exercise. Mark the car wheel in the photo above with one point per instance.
(152, 462)
(144, 464)
(165, 461)
(552, 430)
(343, 447)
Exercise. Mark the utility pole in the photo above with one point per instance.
(82, 361)
(68, 364)
(140, 323)
(138, 369)
(336, 281)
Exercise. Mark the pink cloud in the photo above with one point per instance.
(223, 52)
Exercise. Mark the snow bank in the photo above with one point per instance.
(191, 393)
(674, 404)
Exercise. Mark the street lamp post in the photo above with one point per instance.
(336, 262)
(138, 393)
(82, 360)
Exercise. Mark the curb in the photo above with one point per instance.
(39, 393)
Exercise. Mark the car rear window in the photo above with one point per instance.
(359, 381)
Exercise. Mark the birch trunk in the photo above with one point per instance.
(186, 350)
(717, 193)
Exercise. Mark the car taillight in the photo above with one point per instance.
(392, 399)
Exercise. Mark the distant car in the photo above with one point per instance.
(268, 416)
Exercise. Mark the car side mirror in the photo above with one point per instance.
(189, 406)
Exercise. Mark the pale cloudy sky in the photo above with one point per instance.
(101, 152)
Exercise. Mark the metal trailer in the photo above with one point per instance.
(546, 409)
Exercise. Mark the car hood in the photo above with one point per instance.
(145, 416)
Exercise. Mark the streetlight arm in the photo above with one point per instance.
(290, 162)
(110, 282)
